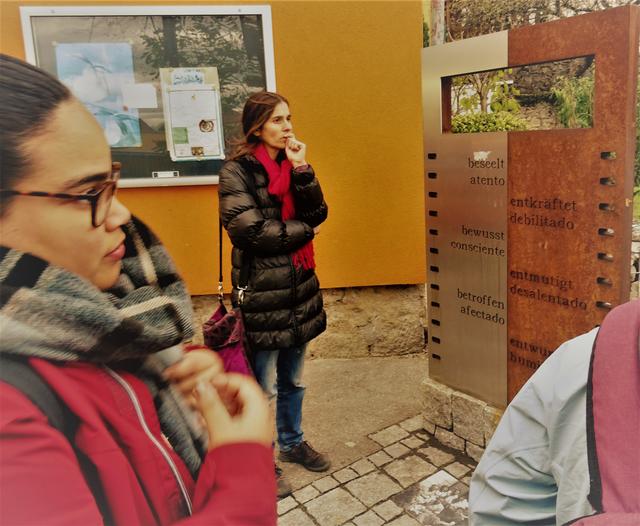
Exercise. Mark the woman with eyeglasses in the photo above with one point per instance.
(91, 312)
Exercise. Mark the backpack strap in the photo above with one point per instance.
(613, 412)
(17, 372)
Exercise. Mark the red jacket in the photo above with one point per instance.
(41, 481)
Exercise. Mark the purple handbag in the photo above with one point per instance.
(224, 331)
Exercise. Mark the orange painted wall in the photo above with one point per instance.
(351, 70)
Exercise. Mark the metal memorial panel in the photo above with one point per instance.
(528, 232)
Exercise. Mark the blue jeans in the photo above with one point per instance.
(280, 373)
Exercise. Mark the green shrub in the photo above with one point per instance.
(487, 122)
(574, 101)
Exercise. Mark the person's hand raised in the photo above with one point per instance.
(197, 365)
(235, 410)
(296, 151)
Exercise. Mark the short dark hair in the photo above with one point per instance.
(28, 95)
(255, 113)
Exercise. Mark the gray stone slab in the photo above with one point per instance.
(458, 470)
(363, 466)
(436, 456)
(387, 510)
(413, 424)
(412, 442)
(389, 435)
(305, 494)
(296, 517)
(373, 488)
(397, 450)
(325, 484)
(380, 458)
(285, 505)
(345, 475)
(410, 470)
(368, 519)
(334, 508)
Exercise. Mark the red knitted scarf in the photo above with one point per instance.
(280, 187)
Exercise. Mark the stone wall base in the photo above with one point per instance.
(458, 420)
(361, 321)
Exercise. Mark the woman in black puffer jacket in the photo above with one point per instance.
(271, 205)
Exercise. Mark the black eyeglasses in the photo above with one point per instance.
(99, 198)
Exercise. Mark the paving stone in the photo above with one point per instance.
(475, 452)
(373, 488)
(389, 435)
(450, 439)
(412, 442)
(368, 519)
(335, 507)
(387, 510)
(409, 470)
(441, 478)
(435, 505)
(345, 475)
(436, 456)
(325, 484)
(363, 466)
(422, 436)
(296, 517)
(285, 505)
(405, 520)
(380, 458)
(412, 424)
(397, 450)
(305, 494)
(458, 470)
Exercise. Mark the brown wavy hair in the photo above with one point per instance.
(255, 113)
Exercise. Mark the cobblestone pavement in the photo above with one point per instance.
(411, 480)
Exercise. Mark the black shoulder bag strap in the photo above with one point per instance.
(17, 372)
(243, 281)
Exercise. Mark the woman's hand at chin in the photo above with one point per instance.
(296, 151)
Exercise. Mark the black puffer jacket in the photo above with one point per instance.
(283, 305)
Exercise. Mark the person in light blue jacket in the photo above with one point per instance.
(535, 469)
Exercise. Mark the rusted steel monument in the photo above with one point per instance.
(528, 232)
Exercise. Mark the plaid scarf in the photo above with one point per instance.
(48, 312)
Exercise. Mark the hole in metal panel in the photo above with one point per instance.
(436, 323)
(434, 286)
(433, 213)
(608, 156)
(433, 194)
(435, 304)
(604, 305)
(433, 268)
(432, 175)
(604, 256)
(432, 156)
(435, 339)
(609, 232)
(436, 356)
(607, 181)
(608, 207)
(604, 281)
(433, 231)
(434, 250)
